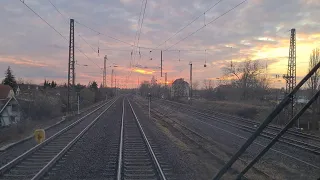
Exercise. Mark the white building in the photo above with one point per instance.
(9, 106)
(180, 88)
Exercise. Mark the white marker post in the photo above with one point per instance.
(149, 97)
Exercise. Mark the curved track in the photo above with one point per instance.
(37, 161)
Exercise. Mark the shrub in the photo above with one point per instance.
(41, 107)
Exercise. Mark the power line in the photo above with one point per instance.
(138, 25)
(88, 58)
(98, 31)
(189, 23)
(144, 11)
(55, 7)
(56, 30)
(86, 42)
(44, 20)
(103, 33)
(205, 25)
(135, 38)
(133, 45)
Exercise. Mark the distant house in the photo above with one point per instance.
(9, 106)
(180, 88)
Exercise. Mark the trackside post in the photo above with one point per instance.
(149, 102)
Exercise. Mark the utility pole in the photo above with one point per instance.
(165, 79)
(291, 75)
(78, 102)
(71, 73)
(112, 78)
(104, 82)
(115, 86)
(161, 63)
(166, 94)
(190, 93)
(149, 103)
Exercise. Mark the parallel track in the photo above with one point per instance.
(296, 142)
(161, 115)
(313, 165)
(187, 111)
(37, 161)
(137, 159)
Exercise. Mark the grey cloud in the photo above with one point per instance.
(25, 35)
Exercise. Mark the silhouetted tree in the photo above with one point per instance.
(93, 85)
(247, 76)
(53, 84)
(79, 87)
(10, 79)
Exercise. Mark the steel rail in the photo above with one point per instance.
(159, 169)
(120, 144)
(46, 168)
(259, 144)
(252, 122)
(267, 134)
(28, 153)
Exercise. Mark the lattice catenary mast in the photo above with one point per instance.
(291, 77)
(71, 69)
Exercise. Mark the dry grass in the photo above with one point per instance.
(252, 110)
(26, 128)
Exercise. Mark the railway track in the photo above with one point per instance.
(136, 158)
(255, 123)
(312, 146)
(36, 162)
(200, 139)
(305, 165)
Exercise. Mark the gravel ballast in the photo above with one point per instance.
(89, 158)
(93, 156)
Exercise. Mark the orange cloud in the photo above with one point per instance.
(142, 71)
(22, 61)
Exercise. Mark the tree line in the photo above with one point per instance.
(10, 80)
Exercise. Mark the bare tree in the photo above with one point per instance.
(20, 80)
(144, 88)
(195, 85)
(247, 76)
(208, 84)
(313, 83)
(205, 84)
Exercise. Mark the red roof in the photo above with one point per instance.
(4, 91)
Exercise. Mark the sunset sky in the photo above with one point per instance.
(256, 29)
